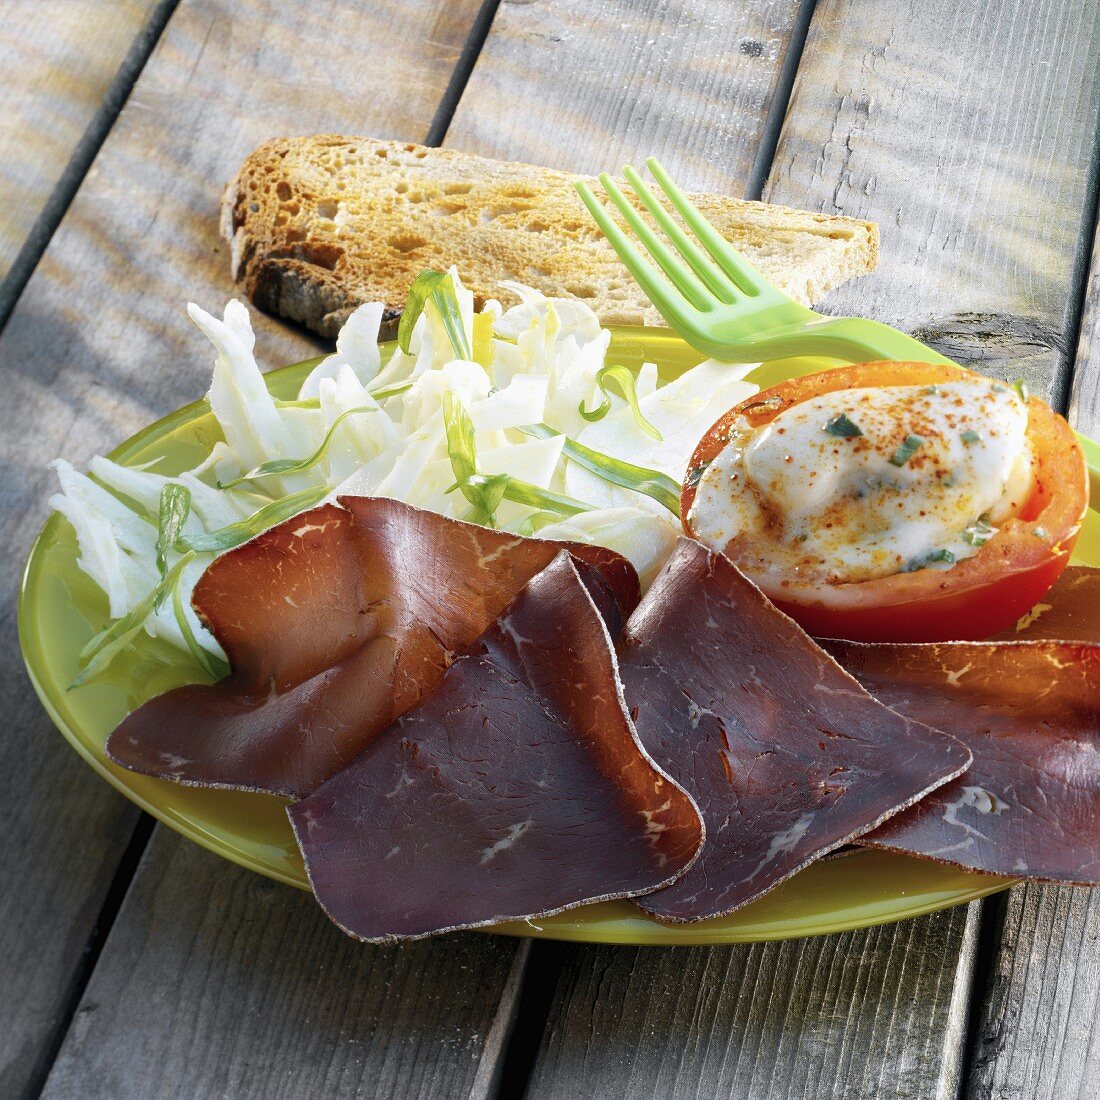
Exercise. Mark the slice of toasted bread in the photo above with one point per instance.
(319, 225)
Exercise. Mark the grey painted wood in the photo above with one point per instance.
(1038, 1031)
(967, 131)
(584, 86)
(1084, 405)
(99, 345)
(861, 1016)
(58, 62)
(217, 982)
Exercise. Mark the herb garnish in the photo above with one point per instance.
(233, 534)
(695, 475)
(933, 556)
(843, 427)
(979, 532)
(641, 479)
(439, 288)
(909, 447)
(175, 507)
(1020, 386)
(624, 378)
(294, 465)
(970, 436)
(486, 491)
(379, 394)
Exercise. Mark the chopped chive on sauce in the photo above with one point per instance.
(970, 436)
(948, 481)
(909, 447)
(695, 475)
(932, 389)
(763, 406)
(1021, 389)
(932, 558)
(1041, 533)
(843, 426)
(979, 532)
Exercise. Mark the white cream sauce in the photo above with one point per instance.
(866, 483)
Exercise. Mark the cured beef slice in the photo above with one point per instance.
(1069, 612)
(516, 790)
(1030, 712)
(785, 754)
(335, 622)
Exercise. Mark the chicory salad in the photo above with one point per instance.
(514, 419)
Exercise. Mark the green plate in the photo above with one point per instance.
(60, 609)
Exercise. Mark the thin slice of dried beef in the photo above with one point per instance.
(334, 623)
(516, 790)
(1030, 711)
(785, 754)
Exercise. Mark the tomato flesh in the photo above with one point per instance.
(974, 598)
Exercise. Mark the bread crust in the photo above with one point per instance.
(319, 225)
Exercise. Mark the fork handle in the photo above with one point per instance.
(861, 341)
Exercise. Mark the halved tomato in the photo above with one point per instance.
(977, 596)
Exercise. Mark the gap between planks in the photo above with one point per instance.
(479, 32)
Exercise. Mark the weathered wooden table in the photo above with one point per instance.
(135, 964)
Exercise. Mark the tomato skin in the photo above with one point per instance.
(974, 598)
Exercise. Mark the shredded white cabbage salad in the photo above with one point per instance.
(532, 431)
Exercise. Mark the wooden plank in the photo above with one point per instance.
(585, 86)
(58, 60)
(1038, 1032)
(99, 344)
(859, 1015)
(1084, 404)
(217, 982)
(966, 130)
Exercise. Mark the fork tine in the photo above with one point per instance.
(744, 275)
(703, 267)
(687, 285)
(669, 302)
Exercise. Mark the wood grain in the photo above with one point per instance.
(585, 86)
(966, 130)
(99, 345)
(217, 982)
(1038, 1031)
(1084, 404)
(58, 61)
(859, 1015)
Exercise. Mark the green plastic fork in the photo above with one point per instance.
(722, 305)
